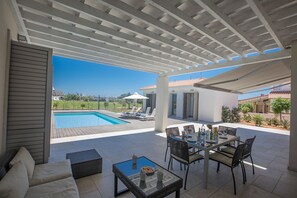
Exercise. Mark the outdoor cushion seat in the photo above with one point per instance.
(229, 149)
(192, 158)
(44, 173)
(57, 189)
(221, 158)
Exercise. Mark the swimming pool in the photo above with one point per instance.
(84, 119)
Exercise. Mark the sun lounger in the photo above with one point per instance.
(124, 114)
(132, 114)
(147, 112)
(149, 117)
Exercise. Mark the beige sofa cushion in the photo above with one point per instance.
(44, 173)
(15, 183)
(25, 157)
(64, 188)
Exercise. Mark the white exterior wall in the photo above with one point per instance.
(7, 21)
(210, 102)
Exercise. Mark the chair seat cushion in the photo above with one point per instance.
(44, 173)
(229, 150)
(56, 189)
(221, 158)
(192, 158)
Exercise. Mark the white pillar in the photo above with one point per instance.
(162, 104)
(293, 133)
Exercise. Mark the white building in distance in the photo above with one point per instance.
(192, 103)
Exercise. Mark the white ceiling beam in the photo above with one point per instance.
(115, 45)
(43, 9)
(167, 7)
(243, 61)
(109, 63)
(96, 45)
(100, 15)
(211, 8)
(68, 51)
(77, 47)
(123, 7)
(265, 19)
(19, 19)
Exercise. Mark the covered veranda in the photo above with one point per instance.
(167, 38)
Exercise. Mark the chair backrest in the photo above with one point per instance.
(137, 110)
(238, 154)
(229, 130)
(133, 109)
(179, 148)
(249, 144)
(189, 128)
(153, 113)
(148, 109)
(172, 131)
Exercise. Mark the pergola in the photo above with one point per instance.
(167, 37)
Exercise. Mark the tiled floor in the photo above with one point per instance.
(270, 153)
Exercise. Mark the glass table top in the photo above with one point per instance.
(151, 184)
(208, 144)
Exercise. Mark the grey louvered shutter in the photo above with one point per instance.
(29, 100)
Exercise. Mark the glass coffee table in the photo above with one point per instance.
(129, 174)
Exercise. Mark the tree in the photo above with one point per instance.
(245, 108)
(106, 104)
(55, 105)
(124, 95)
(280, 105)
(83, 105)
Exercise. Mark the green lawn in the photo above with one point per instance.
(92, 105)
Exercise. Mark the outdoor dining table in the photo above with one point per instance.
(207, 147)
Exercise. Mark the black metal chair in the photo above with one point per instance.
(179, 151)
(189, 128)
(229, 130)
(170, 132)
(246, 153)
(231, 161)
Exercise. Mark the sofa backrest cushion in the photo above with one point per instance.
(25, 157)
(4, 162)
(15, 183)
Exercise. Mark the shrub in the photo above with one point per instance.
(268, 121)
(285, 123)
(244, 110)
(226, 114)
(82, 105)
(247, 118)
(275, 121)
(55, 105)
(258, 119)
(235, 117)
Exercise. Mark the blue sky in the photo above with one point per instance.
(75, 76)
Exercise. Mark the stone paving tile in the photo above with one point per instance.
(271, 179)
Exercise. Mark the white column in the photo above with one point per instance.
(293, 133)
(162, 104)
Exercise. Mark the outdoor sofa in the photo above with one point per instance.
(21, 178)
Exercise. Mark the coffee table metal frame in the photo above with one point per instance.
(132, 187)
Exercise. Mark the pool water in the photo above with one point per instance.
(84, 119)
